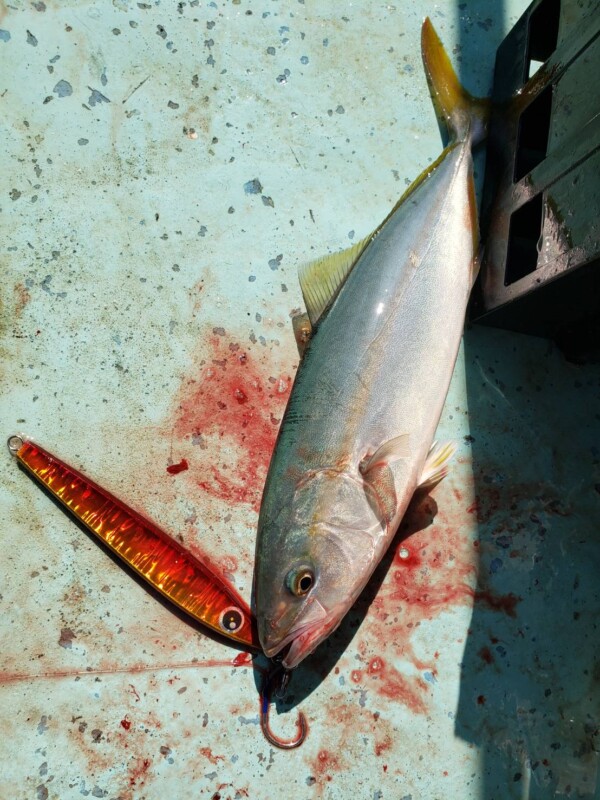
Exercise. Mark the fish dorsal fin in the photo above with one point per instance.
(321, 280)
(388, 453)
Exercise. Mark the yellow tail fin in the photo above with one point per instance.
(464, 115)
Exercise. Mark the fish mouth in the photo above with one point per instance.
(302, 641)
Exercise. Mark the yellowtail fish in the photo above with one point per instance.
(356, 439)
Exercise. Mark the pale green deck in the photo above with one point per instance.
(128, 236)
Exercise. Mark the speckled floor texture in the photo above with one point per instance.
(167, 167)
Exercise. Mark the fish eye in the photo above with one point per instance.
(231, 620)
(300, 581)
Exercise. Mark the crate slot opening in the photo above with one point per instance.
(542, 35)
(533, 134)
(523, 240)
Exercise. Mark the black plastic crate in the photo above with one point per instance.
(541, 202)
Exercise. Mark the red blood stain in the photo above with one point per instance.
(498, 602)
(486, 504)
(137, 772)
(233, 409)
(481, 700)
(126, 723)
(389, 682)
(228, 564)
(381, 747)
(242, 659)
(375, 666)
(195, 294)
(434, 569)
(238, 792)
(324, 764)
(113, 669)
(554, 508)
(152, 721)
(22, 297)
(433, 572)
(486, 654)
(208, 753)
(175, 469)
(430, 578)
(408, 558)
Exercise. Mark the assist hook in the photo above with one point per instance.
(276, 681)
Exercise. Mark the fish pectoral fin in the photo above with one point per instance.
(436, 465)
(388, 453)
(382, 491)
(321, 280)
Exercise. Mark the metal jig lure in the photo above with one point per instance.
(270, 687)
(161, 561)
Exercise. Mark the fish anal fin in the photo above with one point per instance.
(436, 465)
(322, 279)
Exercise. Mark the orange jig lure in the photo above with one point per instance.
(167, 566)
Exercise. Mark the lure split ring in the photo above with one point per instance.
(15, 443)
